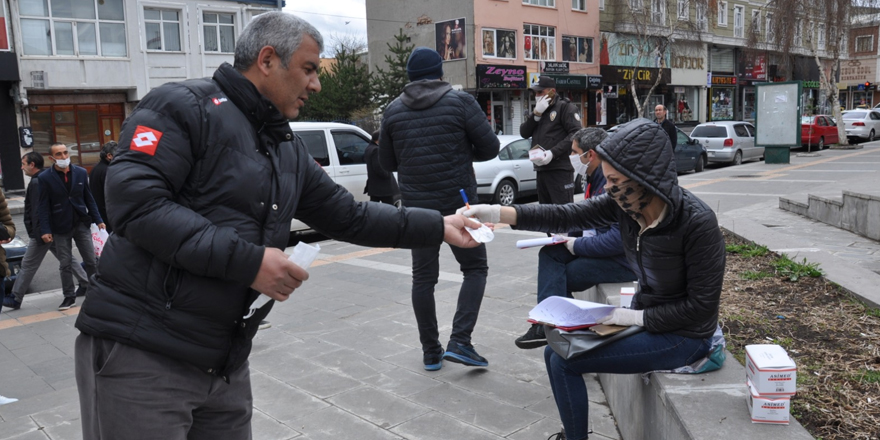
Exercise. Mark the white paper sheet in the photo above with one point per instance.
(568, 312)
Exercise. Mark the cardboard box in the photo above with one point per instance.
(770, 370)
(626, 296)
(765, 409)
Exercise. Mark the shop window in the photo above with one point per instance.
(539, 42)
(219, 31)
(80, 28)
(499, 43)
(577, 49)
(162, 27)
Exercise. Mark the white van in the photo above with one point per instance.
(339, 149)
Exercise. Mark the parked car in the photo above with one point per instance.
(690, 155)
(728, 141)
(339, 149)
(820, 130)
(15, 250)
(862, 124)
(510, 175)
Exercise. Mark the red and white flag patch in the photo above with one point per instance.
(145, 140)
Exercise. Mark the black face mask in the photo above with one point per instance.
(631, 197)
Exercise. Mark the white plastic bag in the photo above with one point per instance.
(99, 237)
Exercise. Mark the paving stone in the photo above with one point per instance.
(265, 427)
(325, 383)
(402, 382)
(352, 364)
(17, 426)
(436, 426)
(354, 339)
(498, 387)
(381, 408)
(333, 424)
(281, 401)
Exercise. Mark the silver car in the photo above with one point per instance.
(508, 176)
(862, 124)
(728, 141)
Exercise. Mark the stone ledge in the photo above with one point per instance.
(708, 406)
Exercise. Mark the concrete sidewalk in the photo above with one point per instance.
(341, 360)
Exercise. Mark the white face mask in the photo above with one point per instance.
(579, 168)
(62, 163)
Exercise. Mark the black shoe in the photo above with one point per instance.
(533, 338)
(67, 303)
(10, 302)
(433, 361)
(81, 290)
(558, 436)
(464, 354)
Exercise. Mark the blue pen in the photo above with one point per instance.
(464, 197)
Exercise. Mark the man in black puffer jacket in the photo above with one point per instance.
(206, 181)
(431, 135)
(671, 240)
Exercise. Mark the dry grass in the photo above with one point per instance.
(832, 337)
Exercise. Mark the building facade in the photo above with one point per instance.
(496, 49)
(83, 66)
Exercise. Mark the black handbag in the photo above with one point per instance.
(575, 343)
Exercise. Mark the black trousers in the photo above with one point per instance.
(555, 187)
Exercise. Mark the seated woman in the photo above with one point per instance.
(671, 240)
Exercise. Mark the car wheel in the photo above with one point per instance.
(701, 164)
(505, 193)
(738, 158)
(821, 144)
(871, 136)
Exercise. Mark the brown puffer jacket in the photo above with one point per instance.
(6, 219)
(680, 263)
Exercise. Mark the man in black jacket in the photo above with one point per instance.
(668, 126)
(207, 178)
(551, 126)
(66, 209)
(381, 185)
(431, 135)
(32, 165)
(97, 178)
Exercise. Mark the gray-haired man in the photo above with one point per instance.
(201, 193)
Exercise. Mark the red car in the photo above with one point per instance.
(818, 130)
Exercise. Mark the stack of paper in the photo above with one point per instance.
(568, 314)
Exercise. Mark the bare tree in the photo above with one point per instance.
(818, 29)
(654, 29)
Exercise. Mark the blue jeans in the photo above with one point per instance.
(639, 353)
(560, 272)
(426, 272)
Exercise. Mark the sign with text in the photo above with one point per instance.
(554, 67)
(594, 82)
(858, 71)
(626, 50)
(490, 76)
(643, 75)
(723, 80)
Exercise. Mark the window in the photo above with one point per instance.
(756, 22)
(517, 150)
(658, 11)
(820, 39)
(539, 42)
(577, 49)
(683, 9)
(316, 143)
(80, 28)
(162, 27)
(601, 5)
(499, 43)
(636, 4)
(722, 14)
(798, 34)
(350, 147)
(771, 36)
(740, 130)
(579, 5)
(84, 128)
(702, 18)
(739, 13)
(549, 3)
(865, 43)
(219, 31)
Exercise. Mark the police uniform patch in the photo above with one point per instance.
(577, 116)
(552, 116)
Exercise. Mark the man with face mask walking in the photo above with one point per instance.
(66, 209)
(593, 258)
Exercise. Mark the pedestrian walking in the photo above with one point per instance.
(381, 185)
(97, 177)
(660, 118)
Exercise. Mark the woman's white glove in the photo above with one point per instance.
(624, 317)
(541, 105)
(485, 213)
(548, 156)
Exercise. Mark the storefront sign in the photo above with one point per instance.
(857, 71)
(594, 82)
(554, 67)
(491, 76)
(679, 90)
(724, 80)
(680, 62)
(812, 85)
(626, 50)
(26, 137)
(755, 68)
(578, 82)
(644, 76)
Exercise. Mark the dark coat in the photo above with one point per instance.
(207, 176)
(61, 210)
(606, 243)
(431, 135)
(669, 128)
(680, 263)
(380, 183)
(32, 207)
(553, 133)
(96, 184)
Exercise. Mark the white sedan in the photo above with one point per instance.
(862, 124)
(510, 175)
